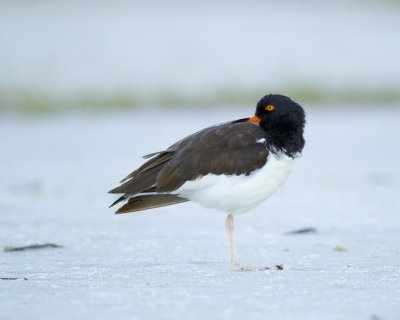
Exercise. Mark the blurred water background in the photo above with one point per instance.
(120, 54)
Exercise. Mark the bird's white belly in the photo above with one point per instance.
(238, 194)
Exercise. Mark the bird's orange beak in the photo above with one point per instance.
(254, 119)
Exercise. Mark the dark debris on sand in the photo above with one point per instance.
(31, 247)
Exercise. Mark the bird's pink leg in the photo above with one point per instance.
(230, 226)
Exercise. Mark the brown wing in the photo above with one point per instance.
(231, 148)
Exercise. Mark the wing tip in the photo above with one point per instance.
(122, 198)
(115, 190)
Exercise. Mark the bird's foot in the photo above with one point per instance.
(249, 268)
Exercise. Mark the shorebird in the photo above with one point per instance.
(231, 167)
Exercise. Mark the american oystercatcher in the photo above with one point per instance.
(231, 167)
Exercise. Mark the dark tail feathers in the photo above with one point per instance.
(151, 201)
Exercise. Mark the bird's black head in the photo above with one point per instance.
(284, 120)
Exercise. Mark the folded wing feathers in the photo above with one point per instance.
(160, 159)
(138, 183)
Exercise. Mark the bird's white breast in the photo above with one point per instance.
(238, 194)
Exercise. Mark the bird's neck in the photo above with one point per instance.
(285, 139)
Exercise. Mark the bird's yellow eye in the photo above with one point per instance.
(269, 107)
